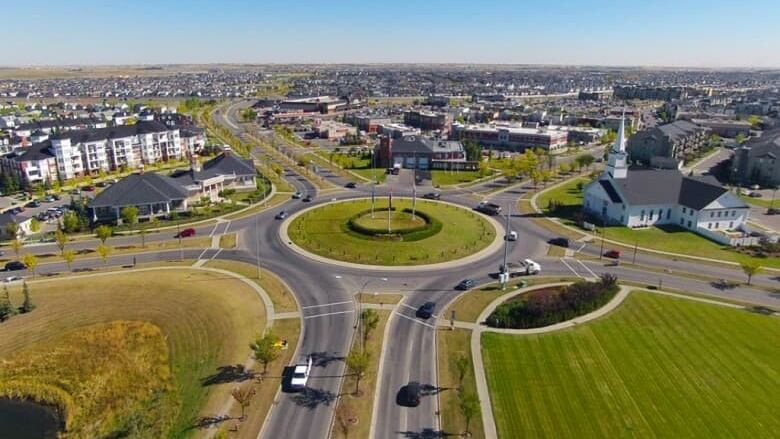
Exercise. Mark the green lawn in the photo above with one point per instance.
(370, 174)
(656, 367)
(760, 202)
(322, 231)
(448, 178)
(670, 239)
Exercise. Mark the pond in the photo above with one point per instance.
(21, 419)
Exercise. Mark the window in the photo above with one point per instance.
(712, 214)
(650, 215)
(681, 221)
(689, 224)
(709, 225)
(642, 216)
(731, 224)
(733, 213)
(685, 210)
(668, 213)
(719, 214)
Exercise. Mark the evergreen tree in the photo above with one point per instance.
(6, 309)
(27, 305)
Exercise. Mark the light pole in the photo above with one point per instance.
(504, 269)
(358, 306)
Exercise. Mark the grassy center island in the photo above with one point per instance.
(402, 234)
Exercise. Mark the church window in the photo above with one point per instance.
(642, 215)
(668, 213)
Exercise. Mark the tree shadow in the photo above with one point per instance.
(323, 359)
(312, 398)
(208, 421)
(427, 433)
(232, 373)
(723, 285)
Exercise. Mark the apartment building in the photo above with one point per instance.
(667, 146)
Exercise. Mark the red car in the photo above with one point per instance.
(614, 254)
(89, 188)
(186, 233)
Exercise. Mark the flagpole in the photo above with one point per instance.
(373, 182)
(389, 208)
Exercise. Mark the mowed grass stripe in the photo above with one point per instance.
(656, 367)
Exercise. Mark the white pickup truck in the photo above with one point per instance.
(526, 267)
(301, 373)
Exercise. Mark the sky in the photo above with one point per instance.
(694, 33)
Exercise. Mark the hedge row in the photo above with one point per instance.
(551, 306)
(431, 227)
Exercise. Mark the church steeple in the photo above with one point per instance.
(617, 163)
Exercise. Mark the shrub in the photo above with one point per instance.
(431, 227)
(554, 305)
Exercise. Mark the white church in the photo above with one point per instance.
(651, 197)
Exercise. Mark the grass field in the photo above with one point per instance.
(321, 231)
(657, 367)
(670, 239)
(362, 406)
(124, 363)
(451, 345)
(448, 178)
(204, 327)
(281, 296)
(761, 202)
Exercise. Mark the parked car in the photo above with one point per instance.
(301, 372)
(560, 242)
(409, 395)
(12, 279)
(351, 185)
(281, 215)
(307, 199)
(14, 266)
(89, 187)
(755, 194)
(102, 184)
(465, 284)
(614, 254)
(432, 195)
(49, 198)
(186, 233)
(297, 195)
(773, 211)
(426, 310)
(511, 236)
(33, 203)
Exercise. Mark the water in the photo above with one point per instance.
(26, 420)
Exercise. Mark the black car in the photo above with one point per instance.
(14, 266)
(307, 199)
(465, 284)
(560, 242)
(426, 310)
(432, 195)
(409, 395)
(281, 215)
(351, 185)
(34, 203)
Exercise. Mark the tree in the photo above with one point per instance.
(103, 232)
(243, 397)
(35, 225)
(469, 407)
(104, 251)
(344, 417)
(357, 363)
(16, 245)
(750, 268)
(68, 256)
(12, 229)
(61, 238)
(31, 261)
(70, 222)
(263, 349)
(754, 120)
(27, 304)
(473, 150)
(6, 309)
(740, 139)
(129, 214)
(370, 321)
(462, 366)
(585, 160)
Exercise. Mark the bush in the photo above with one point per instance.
(431, 227)
(554, 305)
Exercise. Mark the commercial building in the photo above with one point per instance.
(317, 104)
(426, 120)
(725, 128)
(511, 137)
(758, 160)
(642, 197)
(330, 129)
(367, 124)
(422, 153)
(397, 130)
(669, 145)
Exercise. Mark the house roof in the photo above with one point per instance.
(610, 190)
(411, 145)
(135, 189)
(667, 186)
(228, 164)
(35, 152)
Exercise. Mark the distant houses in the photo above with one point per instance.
(157, 195)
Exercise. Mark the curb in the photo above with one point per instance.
(493, 247)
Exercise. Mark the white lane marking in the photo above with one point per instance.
(214, 229)
(414, 320)
(407, 306)
(215, 254)
(203, 252)
(328, 304)
(329, 314)
(227, 226)
(572, 270)
(586, 268)
(581, 247)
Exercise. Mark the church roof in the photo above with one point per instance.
(666, 186)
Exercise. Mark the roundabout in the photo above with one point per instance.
(407, 235)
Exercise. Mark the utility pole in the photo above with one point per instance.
(636, 244)
(181, 250)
